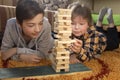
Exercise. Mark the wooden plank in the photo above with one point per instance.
(64, 11)
(65, 32)
(67, 23)
(66, 57)
(39, 72)
(57, 61)
(60, 49)
(63, 37)
(59, 54)
(62, 62)
(59, 69)
(65, 42)
(64, 20)
(68, 28)
(64, 17)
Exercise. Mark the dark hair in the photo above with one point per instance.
(27, 9)
(82, 11)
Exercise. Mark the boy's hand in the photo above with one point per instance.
(30, 58)
(76, 46)
(73, 59)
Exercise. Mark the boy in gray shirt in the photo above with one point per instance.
(28, 36)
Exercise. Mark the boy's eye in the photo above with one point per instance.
(41, 23)
(31, 25)
(72, 24)
(81, 23)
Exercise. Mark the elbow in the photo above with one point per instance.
(3, 57)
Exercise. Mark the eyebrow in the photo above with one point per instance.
(33, 23)
(41, 20)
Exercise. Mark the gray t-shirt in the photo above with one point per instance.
(13, 38)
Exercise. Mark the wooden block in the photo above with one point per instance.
(63, 32)
(63, 37)
(59, 64)
(66, 57)
(62, 65)
(55, 61)
(59, 69)
(62, 45)
(64, 21)
(63, 53)
(64, 11)
(59, 54)
(65, 42)
(58, 49)
(67, 23)
(64, 17)
(62, 61)
(68, 28)
(63, 29)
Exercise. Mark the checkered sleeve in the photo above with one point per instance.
(93, 45)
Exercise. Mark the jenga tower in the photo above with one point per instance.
(60, 56)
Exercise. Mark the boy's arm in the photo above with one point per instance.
(92, 48)
(7, 49)
(8, 54)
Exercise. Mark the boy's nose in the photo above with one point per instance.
(37, 28)
(77, 26)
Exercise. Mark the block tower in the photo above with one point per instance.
(60, 56)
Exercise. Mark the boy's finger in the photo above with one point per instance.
(79, 41)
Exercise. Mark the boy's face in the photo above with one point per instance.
(32, 27)
(79, 26)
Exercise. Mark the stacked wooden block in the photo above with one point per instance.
(60, 56)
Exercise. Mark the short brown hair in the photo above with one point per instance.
(82, 11)
(27, 9)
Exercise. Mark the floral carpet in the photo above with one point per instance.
(106, 67)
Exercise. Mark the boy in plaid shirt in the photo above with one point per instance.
(90, 41)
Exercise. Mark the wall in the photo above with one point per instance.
(114, 4)
(88, 3)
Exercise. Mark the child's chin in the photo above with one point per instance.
(33, 37)
(77, 35)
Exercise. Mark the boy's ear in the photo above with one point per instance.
(18, 22)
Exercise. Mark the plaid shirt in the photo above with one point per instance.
(94, 43)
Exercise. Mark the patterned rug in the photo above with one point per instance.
(107, 67)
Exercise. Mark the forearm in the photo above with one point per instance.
(88, 53)
(26, 51)
(9, 53)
